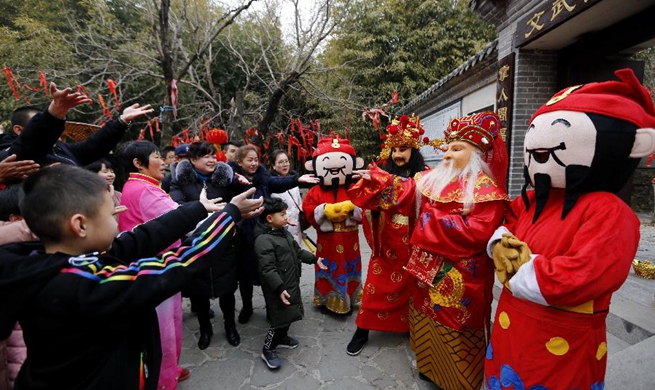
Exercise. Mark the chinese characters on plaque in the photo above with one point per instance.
(548, 16)
(505, 95)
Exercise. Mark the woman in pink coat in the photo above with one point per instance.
(145, 200)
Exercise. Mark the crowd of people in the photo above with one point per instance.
(104, 266)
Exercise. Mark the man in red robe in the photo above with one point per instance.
(336, 219)
(385, 303)
(569, 243)
(458, 205)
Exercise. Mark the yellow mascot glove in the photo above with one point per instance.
(338, 212)
(524, 251)
(503, 257)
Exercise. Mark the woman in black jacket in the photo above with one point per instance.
(249, 167)
(220, 281)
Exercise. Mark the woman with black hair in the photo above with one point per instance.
(145, 200)
(105, 170)
(248, 166)
(201, 170)
(282, 167)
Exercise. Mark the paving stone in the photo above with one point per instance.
(387, 362)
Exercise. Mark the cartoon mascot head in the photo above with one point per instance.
(333, 162)
(588, 138)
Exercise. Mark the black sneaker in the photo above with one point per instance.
(289, 343)
(356, 345)
(269, 356)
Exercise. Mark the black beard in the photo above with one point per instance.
(575, 179)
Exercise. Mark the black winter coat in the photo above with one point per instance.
(89, 323)
(221, 277)
(265, 184)
(39, 141)
(279, 257)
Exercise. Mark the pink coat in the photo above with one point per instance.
(13, 351)
(145, 200)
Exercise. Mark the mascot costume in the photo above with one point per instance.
(568, 244)
(336, 219)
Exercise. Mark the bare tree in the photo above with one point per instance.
(176, 48)
(281, 67)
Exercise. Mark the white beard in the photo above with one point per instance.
(436, 179)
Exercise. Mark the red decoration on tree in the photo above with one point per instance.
(105, 110)
(112, 88)
(12, 80)
(82, 90)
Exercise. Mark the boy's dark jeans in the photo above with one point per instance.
(274, 336)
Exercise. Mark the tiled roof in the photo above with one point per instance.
(482, 54)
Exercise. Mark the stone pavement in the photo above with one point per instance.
(321, 362)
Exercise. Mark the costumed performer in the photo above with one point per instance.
(336, 219)
(569, 243)
(460, 203)
(386, 292)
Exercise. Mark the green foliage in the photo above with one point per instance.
(403, 45)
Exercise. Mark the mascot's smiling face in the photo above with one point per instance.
(334, 166)
(556, 140)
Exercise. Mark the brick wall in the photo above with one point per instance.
(535, 81)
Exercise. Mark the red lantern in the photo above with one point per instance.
(216, 136)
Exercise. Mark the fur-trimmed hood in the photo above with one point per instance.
(222, 176)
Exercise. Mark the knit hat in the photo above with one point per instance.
(182, 150)
(627, 100)
(403, 131)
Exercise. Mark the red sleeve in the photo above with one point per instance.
(597, 261)
(453, 235)
(384, 192)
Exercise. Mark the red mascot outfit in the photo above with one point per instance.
(569, 243)
(336, 219)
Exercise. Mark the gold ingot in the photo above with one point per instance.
(602, 350)
(563, 96)
(339, 248)
(557, 346)
(503, 319)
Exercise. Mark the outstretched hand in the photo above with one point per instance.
(320, 264)
(308, 179)
(362, 174)
(134, 111)
(242, 179)
(63, 101)
(10, 169)
(249, 208)
(211, 205)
